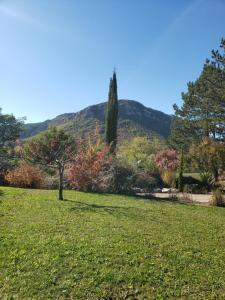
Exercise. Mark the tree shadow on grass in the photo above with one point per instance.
(146, 197)
(131, 212)
(67, 200)
(173, 198)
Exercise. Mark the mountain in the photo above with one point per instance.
(134, 119)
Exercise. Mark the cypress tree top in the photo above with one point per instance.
(112, 114)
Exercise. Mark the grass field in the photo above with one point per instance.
(108, 247)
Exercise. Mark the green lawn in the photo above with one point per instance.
(108, 247)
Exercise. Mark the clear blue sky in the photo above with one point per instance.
(57, 56)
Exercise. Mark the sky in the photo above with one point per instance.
(58, 56)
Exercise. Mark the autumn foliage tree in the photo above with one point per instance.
(208, 157)
(166, 161)
(51, 150)
(85, 172)
(91, 160)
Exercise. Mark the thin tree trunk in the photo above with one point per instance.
(216, 174)
(61, 171)
(181, 169)
(207, 121)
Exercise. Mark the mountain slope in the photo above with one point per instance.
(134, 119)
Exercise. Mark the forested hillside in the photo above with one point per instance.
(134, 119)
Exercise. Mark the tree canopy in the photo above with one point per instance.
(51, 150)
(10, 129)
(203, 111)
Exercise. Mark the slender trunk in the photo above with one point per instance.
(181, 169)
(207, 121)
(61, 171)
(216, 174)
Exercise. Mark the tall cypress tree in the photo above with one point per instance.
(112, 114)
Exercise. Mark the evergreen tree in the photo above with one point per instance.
(218, 58)
(112, 114)
(203, 110)
(10, 129)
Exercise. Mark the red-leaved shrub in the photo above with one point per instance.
(89, 165)
(24, 175)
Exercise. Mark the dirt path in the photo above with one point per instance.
(186, 198)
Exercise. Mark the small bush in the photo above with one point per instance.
(207, 180)
(121, 178)
(146, 182)
(218, 198)
(118, 178)
(195, 189)
(168, 177)
(192, 185)
(187, 180)
(24, 175)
